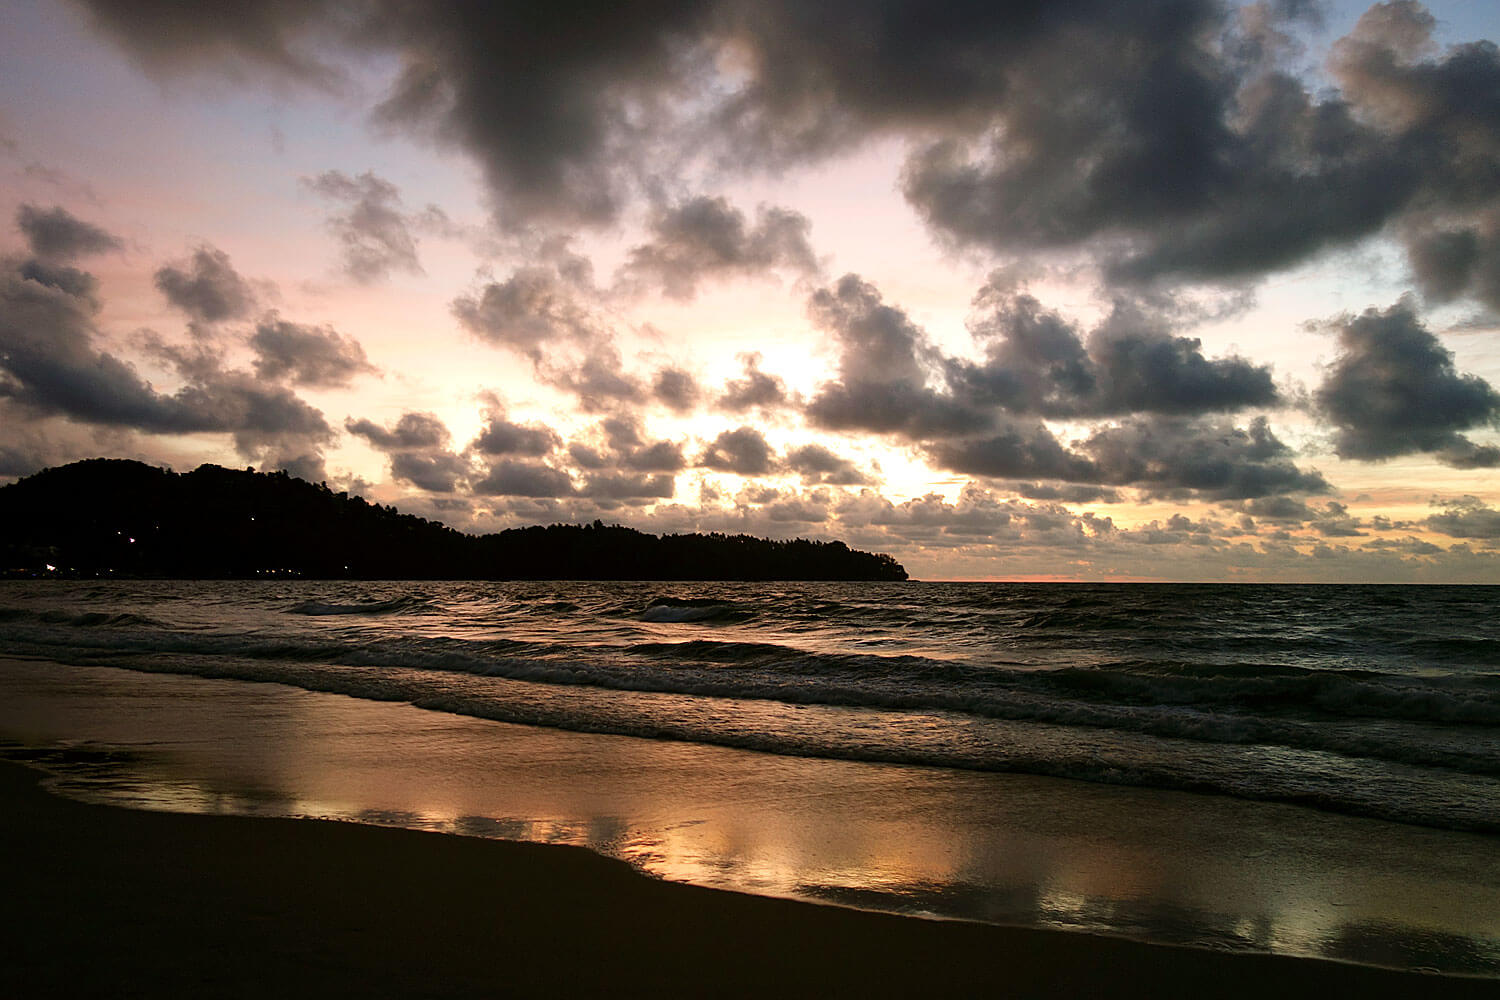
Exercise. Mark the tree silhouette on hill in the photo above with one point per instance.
(125, 518)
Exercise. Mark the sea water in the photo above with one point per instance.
(1304, 769)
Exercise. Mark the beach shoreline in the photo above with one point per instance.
(113, 901)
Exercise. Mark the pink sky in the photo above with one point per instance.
(1194, 291)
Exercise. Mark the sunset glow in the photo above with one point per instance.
(995, 297)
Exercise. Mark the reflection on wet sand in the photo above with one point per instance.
(1011, 849)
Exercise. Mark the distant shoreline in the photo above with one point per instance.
(116, 517)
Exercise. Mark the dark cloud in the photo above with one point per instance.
(798, 510)
(743, 451)
(1467, 517)
(503, 437)
(586, 457)
(537, 307)
(622, 431)
(559, 103)
(439, 472)
(524, 479)
(1281, 508)
(49, 362)
(1456, 258)
(707, 238)
(1157, 142)
(613, 486)
(231, 38)
(417, 447)
(978, 515)
(1335, 521)
(1015, 450)
(1161, 456)
(1037, 362)
(677, 389)
(816, 464)
(1166, 456)
(661, 456)
(375, 233)
(70, 282)
(412, 431)
(884, 366)
(1407, 546)
(55, 234)
(1166, 135)
(206, 287)
(1064, 492)
(598, 380)
(756, 389)
(984, 420)
(1393, 390)
(306, 355)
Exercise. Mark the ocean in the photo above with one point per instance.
(1297, 769)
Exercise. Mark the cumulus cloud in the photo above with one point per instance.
(536, 308)
(884, 365)
(627, 487)
(1177, 158)
(1453, 258)
(56, 234)
(240, 40)
(206, 286)
(1038, 362)
(306, 355)
(983, 419)
(51, 363)
(743, 451)
(1016, 450)
(500, 436)
(1064, 492)
(1161, 456)
(598, 380)
(659, 456)
(437, 472)
(411, 431)
(1467, 517)
(678, 390)
(816, 464)
(705, 238)
(509, 477)
(1167, 456)
(373, 230)
(1278, 508)
(417, 447)
(1169, 137)
(977, 513)
(1393, 390)
(756, 389)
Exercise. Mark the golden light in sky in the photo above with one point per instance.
(983, 295)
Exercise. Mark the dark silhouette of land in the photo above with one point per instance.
(114, 517)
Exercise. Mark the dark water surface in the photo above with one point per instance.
(912, 738)
(1376, 701)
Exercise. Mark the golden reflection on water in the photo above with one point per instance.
(1005, 848)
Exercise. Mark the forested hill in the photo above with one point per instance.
(119, 517)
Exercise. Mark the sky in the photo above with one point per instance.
(1159, 290)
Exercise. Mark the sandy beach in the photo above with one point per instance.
(106, 901)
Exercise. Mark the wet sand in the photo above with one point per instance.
(108, 901)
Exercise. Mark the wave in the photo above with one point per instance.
(956, 676)
(1394, 790)
(396, 605)
(692, 609)
(1415, 721)
(98, 619)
